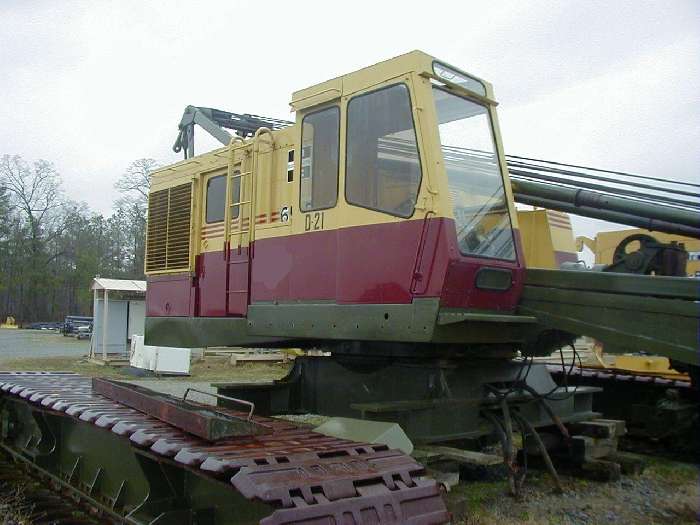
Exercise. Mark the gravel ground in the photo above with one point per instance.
(40, 343)
(666, 492)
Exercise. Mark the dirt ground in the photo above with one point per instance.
(213, 369)
(667, 492)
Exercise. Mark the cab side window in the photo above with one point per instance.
(216, 199)
(320, 137)
(382, 170)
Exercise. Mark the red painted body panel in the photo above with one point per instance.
(238, 282)
(296, 267)
(170, 295)
(459, 288)
(211, 284)
(377, 264)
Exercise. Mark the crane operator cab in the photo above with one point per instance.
(379, 226)
(383, 214)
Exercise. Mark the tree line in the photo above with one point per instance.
(51, 247)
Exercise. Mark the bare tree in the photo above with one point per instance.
(130, 211)
(136, 179)
(35, 190)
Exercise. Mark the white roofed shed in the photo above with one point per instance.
(118, 285)
(119, 310)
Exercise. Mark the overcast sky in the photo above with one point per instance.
(94, 85)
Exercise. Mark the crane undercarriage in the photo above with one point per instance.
(136, 456)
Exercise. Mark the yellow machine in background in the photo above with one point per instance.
(604, 244)
(547, 237)
(9, 323)
(548, 241)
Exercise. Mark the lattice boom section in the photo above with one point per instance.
(169, 218)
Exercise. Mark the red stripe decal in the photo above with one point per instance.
(559, 221)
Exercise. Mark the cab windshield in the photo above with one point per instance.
(474, 177)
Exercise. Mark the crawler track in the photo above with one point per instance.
(303, 476)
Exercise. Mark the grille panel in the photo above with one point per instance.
(168, 234)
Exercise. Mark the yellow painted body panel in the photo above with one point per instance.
(9, 323)
(544, 233)
(265, 159)
(644, 365)
(604, 244)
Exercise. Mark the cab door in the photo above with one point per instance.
(212, 261)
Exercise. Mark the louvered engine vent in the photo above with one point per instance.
(168, 237)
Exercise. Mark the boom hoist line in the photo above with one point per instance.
(570, 188)
(646, 214)
(579, 190)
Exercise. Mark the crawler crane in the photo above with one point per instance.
(381, 227)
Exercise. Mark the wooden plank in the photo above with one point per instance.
(467, 457)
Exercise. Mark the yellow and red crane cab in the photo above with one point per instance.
(384, 213)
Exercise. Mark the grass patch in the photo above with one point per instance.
(212, 369)
(480, 493)
(477, 498)
(61, 364)
(671, 472)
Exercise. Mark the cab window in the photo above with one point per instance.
(383, 170)
(474, 177)
(319, 159)
(216, 199)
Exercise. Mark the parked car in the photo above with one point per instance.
(73, 322)
(84, 332)
(43, 325)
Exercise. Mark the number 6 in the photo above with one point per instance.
(284, 213)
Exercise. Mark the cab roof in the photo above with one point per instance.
(412, 62)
